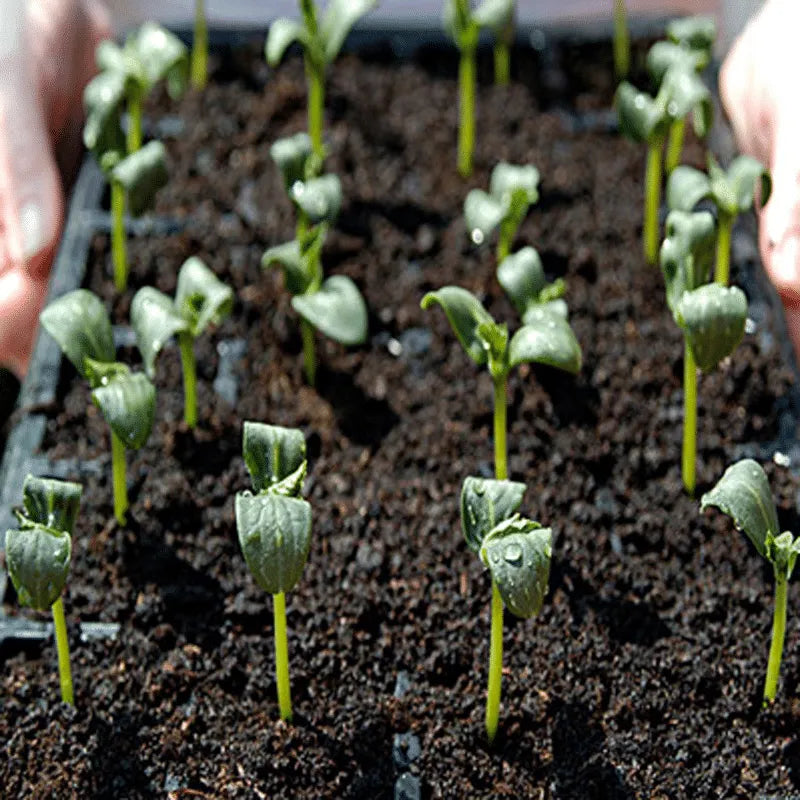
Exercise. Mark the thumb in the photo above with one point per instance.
(779, 229)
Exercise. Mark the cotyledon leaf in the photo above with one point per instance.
(281, 34)
(494, 14)
(743, 494)
(686, 187)
(142, 174)
(547, 339)
(154, 320)
(339, 18)
(485, 502)
(291, 155)
(483, 213)
(713, 318)
(201, 298)
(127, 403)
(337, 310)
(517, 553)
(51, 503)
(275, 537)
(296, 270)
(272, 454)
(162, 56)
(38, 558)
(508, 179)
(522, 277)
(319, 198)
(78, 321)
(687, 253)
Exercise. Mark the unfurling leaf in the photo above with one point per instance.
(51, 503)
(275, 457)
(154, 320)
(687, 253)
(465, 314)
(713, 318)
(484, 504)
(743, 494)
(38, 558)
(337, 310)
(640, 117)
(294, 263)
(517, 553)
(275, 537)
(201, 298)
(79, 323)
(127, 402)
(142, 174)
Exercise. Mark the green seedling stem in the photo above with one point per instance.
(778, 630)
(653, 178)
(622, 42)
(723, 264)
(118, 478)
(119, 256)
(134, 136)
(282, 657)
(189, 366)
(677, 131)
(309, 352)
(689, 451)
(502, 63)
(199, 64)
(315, 75)
(466, 131)
(62, 647)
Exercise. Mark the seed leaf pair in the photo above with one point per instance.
(80, 325)
(743, 494)
(522, 277)
(512, 191)
(516, 551)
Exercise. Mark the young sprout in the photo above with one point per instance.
(38, 555)
(274, 527)
(201, 299)
(199, 65)
(711, 317)
(733, 192)
(743, 494)
(321, 42)
(522, 277)
(81, 327)
(647, 119)
(463, 24)
(689, 48)
(546, 338)
(517, 553)
(332, 305)
(503, 30)
(622, 40)
(512, 191)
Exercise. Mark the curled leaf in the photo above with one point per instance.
(743, 494)
(640, 117)
(340, 17)
(664, 55)
(687, 253)
(319, 198)
(686, 187)
(201, 298)
(38, 559)
(275, 537)
(51, 503)
(466, 314)
(142, 174)
(509, 179)
(713, 318)
(337, 310)
(162, 56)
(517, 553)
(483, 213)
(696, 33)
(484, 504)
(291, 154)
(546, 339)
(103, 99)
(274, 454)
(522, 277)
(127, 403)
(282, 33)
(294, 264)
(154, 320)
(78, 321)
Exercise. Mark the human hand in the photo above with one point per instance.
(758, 90)
(46, 58)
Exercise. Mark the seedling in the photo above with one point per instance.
(711, 317)
(38, 555)
(522, 277)
(274, 526)
(331, 305)
(622, 40)
(689, 48)
(545, 339)
(743, 494)
(80, 325)
(517, 553)
(127, 74)
(199, 65)
(503, 30)
(201, 299)
(463, 25)
(321, 42)
(647, 119)
(512, 191)
(733, 192)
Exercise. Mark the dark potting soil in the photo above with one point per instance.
(643, 674)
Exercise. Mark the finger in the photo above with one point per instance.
(21, 300)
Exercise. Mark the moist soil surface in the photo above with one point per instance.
(643, 674)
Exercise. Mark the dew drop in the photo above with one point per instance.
(639, 101)
(513, 553)
(477, 236)
(298, 187)
(480, 489)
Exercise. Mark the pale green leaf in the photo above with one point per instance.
(640, 117)
(78, 321)
(274, 454)
(103, 100)
(518, 553)
(282, 33)
(127, 403)
(291, 154)
(494, 14)
(154, 320)
(162, 56)
(687, 253)
(339, 18)
(664, 55)
(743, 494)
(37, 559)
(201, 298)
(142, 174)
(522, 277)
(749, 177)
(549, 340)
(713, 318)
(484, 504)
(319, 198)
(336, 310)
(483, 213)
(696, 33)
(508, 179)
(465, 315)
(686, 187)
(294, 264)
(275, 537)
(51, 503)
